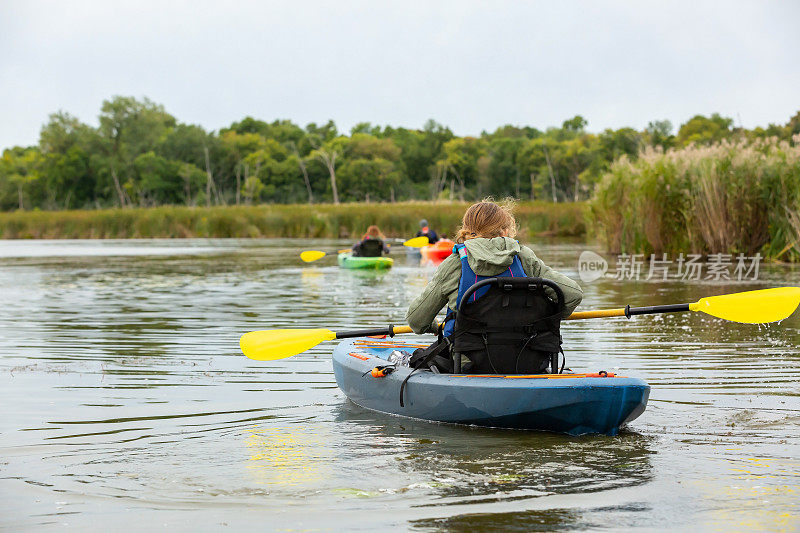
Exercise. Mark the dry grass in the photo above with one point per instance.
(725, 198)
(301, 220)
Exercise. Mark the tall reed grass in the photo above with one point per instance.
(300, 220)
(732, 197)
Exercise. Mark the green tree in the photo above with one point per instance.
(616, 143)
(792, 127)
(505, 173)
(365, 146)
(193, 179)
(369, 179)
(129, 128)
(582, 162)
(321, 134)
(184, 142)
(158, 180)
(370, 170)
(329, 153)
(704, 130)
(275, 167)
(508, 130)
(282, 131)
(419, 150)
(236, 147)
(19, 176)
(365, 127)
(540, 159)
(576, 124)
(659, 133)
(66, 145)
(461, 158)
(302, 163)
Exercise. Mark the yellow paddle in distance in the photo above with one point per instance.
(751, 307)
(313, 255)
(417, 242)
(268, 345)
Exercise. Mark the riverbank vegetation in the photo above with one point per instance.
(708, 187)
(729, 197)
(320, 220)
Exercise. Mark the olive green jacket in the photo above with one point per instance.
(487, 257)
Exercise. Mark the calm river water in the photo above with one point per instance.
(126, 403)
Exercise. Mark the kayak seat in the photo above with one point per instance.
(368, 248)
(511, 328)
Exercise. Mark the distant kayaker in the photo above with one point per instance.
(425, 231)
(371, 244)
(486, 248)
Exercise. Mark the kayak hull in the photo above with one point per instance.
(347, 260)
(566, 403)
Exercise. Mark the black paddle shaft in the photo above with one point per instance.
(673, 308)
(365, 333)
(629, 312)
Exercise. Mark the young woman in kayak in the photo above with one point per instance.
(489, 248)
(371, 244)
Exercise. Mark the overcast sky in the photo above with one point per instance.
(470, 65)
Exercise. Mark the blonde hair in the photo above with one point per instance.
(487, 219)
(374, 232)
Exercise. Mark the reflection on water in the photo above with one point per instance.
(287, 455)
(129, 398)
(471, 464)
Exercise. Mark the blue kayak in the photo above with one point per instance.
(576, 404)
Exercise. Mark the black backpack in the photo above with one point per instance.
(369, 248)
(514, 328)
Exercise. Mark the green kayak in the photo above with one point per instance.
(347, 260)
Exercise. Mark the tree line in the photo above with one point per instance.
(140, 155)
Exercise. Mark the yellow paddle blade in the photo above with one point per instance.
(269, 345)
(417, 242)
(311, 255)
(751, 307)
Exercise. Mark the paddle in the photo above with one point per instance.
(417, 242)
(751, 307)
(269, 345)
(312, 255)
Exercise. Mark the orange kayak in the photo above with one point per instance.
(436, 253)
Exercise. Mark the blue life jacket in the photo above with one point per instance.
(469, 278)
